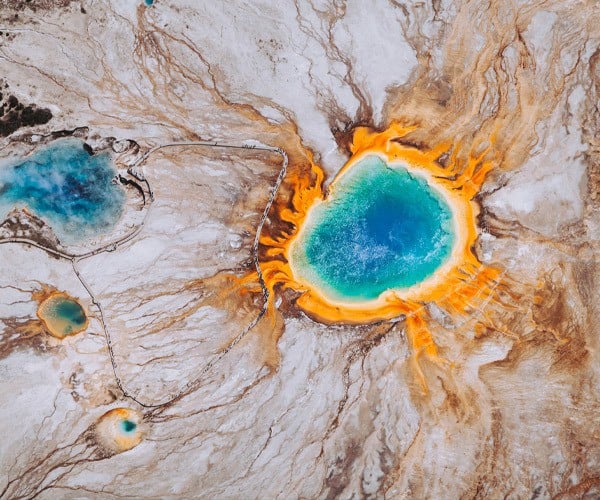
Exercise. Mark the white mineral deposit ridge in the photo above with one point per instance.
(516, 411)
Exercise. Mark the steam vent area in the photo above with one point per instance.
(298, 249)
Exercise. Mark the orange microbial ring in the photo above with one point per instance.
(119, 430)
(460, 283)
(62, 315)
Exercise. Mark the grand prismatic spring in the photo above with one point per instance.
(381, 229)
(442, 232)
(299, 249)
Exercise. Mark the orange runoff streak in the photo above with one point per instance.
(460, 284)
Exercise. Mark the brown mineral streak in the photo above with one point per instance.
(509, 134)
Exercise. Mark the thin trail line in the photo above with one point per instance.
(111, 247)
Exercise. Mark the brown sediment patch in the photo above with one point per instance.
(28, 334)
(587, 488)
(15, 115)
(22, 223)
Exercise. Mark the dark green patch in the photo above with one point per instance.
(128, 425)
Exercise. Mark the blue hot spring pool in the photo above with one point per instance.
(65, 186)
(62, 315)
(381, 228)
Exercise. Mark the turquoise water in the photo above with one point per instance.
(128, 426)
(149, 2)
(70, 311)
(381, 228)
(67, 187)
(63, 315)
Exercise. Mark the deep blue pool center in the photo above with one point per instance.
(128, 426)
(66, 186)
(381, 228)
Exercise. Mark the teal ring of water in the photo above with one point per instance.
(381, 228)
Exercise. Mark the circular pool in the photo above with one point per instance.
(382, 227)
(62, 315)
